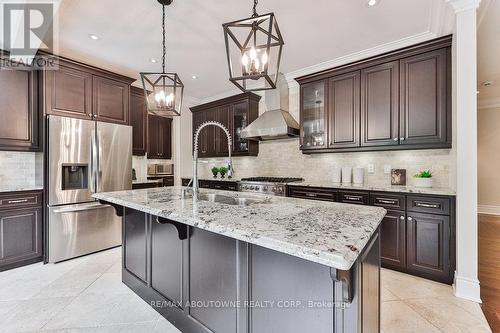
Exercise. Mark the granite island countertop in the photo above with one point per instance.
(332, 234)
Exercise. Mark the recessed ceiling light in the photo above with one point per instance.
(94, 37)
(372, 3)
(154, 61)
(194, 77)
(487, 83)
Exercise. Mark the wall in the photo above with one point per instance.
(488, 141)
(20, 171)
(283, 158)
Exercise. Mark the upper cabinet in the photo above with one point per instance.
(159, 143)
(20, 125)
(400, 100)
(235, 113)
(138, 121)
(80, 91)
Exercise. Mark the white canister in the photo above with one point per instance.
(358, 175)
(346, 175)
(337, 174)
(423, 182)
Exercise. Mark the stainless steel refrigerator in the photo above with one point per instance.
(85, 157)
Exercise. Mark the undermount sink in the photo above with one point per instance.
(230, 200)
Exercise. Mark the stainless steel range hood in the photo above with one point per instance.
(277, 123)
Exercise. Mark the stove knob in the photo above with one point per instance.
(265, 188)
(252, 187)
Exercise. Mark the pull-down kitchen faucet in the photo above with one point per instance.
(230, 171)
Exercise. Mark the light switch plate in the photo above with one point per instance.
(371, 168)
(387, 169)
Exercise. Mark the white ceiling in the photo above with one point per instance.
(489, 53)
(314, 32)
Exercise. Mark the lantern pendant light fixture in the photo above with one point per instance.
(253, 49)
(163, 91)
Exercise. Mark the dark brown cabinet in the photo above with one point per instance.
(111, 100)
(393, 240)
(428, 239)
(343, 111)
(235, 113)
(80, 91)
(400, 100)
(423, 100)
(135, 242)
(138, 121)
(224, 185)
(159, 137)
(380, 105)
(20, 229)
(20, 125)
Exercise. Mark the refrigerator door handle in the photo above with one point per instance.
(99, 163)
(93, 163)
(81, 209)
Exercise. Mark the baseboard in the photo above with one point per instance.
(467, 288)
(488, 209)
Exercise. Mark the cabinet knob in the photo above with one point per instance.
(89, 114)
(395, 139)
(410, 218)
(402, 139)
(402, 217)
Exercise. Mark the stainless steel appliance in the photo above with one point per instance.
(85, 157)
(266, 185)
(160, 169)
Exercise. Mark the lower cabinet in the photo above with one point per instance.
(428, 246)
(20, 229)
(393, 240)
(135, 241)
(214, 184)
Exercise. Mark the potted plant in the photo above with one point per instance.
(215, 171)
(223, 170)
(423, 179)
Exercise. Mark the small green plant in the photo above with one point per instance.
(215, 171)
(223, 170)
(424, 174)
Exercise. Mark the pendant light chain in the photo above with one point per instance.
(255, 3)
(164, 60)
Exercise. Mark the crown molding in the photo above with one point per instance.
(356, 56)
(463, 5)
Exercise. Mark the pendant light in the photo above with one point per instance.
(163, 90)
(253, 49)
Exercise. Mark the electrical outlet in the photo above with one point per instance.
(371, 168)
(387, 169)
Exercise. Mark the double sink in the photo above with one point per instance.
(235, 200)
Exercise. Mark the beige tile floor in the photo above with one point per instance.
(86, 295)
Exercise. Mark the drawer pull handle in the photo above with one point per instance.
(353, 197)
(410, 218)
(17, 201)
(389, 202)
(427, 205)
(312, 195)
(401, 217)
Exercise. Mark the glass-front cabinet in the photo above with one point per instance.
(313, 116)
(240, 121)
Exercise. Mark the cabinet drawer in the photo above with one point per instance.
(389, 201)
(226, 186)
(313, 193)
(204, 184)
(424, 204)
(20, 199)
(354, 197)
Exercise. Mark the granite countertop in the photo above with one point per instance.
(146, 181)
(332, 234)
(381, 188)
(20, 187)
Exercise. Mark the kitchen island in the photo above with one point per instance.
(233, 262)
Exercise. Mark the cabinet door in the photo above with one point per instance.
(428, 246)
(198, 120)
(223, 117)
(153, 127)
(20, 235)
(165, 137)
(135, 242)
(211, 137)
(68, 92)
(424, 90)
(343, 111)
(393, 239)
(313, 131)
(20, 125)
(138, 121)
(239, 122)
(111, 100)
(380, 105)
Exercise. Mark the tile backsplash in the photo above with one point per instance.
(20, 171)
(283, 158)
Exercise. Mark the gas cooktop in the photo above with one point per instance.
(266, 185)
